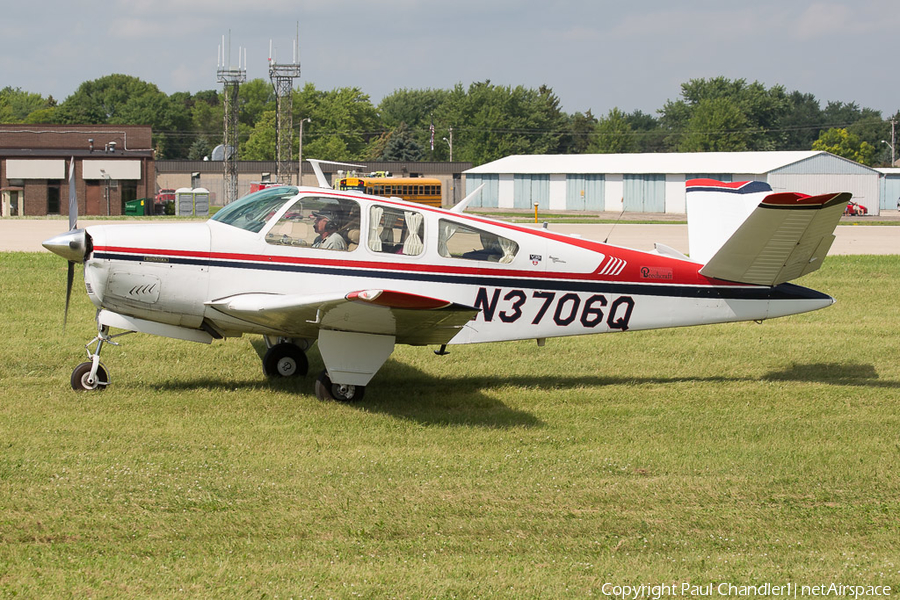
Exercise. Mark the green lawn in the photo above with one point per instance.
(739, 453)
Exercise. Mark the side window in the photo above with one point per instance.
(461, 241)
(396, 231)
(325, 223)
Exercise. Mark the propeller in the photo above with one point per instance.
(71, 245)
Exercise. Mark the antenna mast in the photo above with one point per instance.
(231, 77)
(282, 77)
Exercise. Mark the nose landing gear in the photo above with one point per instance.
(92, 375)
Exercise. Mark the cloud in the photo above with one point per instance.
(830, 19)
(823, 20)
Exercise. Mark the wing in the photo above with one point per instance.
(412, 319)
(785, 237)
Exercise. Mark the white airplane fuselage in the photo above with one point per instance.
(554, 286)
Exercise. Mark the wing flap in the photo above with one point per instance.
(785, 237)
(411, 318)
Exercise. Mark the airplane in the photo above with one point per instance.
(358, 274)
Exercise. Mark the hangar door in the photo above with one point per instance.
(890, 193)
(490, 193)
(645, 193)
(528, 189)
(584, 192)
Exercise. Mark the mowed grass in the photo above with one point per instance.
(745, 453)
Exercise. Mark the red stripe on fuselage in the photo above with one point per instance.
(684, 272)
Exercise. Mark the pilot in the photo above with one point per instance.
(327, 237)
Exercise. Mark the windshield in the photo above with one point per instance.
(251, 212)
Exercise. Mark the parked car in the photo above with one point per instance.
(162, 200)
(854, 209)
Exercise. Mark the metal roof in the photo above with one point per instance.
(652, 163)
(249, 166)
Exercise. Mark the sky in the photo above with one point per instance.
(595, 54)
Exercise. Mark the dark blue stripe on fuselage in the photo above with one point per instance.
(785, 291)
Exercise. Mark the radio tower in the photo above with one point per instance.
(231, 78)
(282, 76)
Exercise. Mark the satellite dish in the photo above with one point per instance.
(219, 153)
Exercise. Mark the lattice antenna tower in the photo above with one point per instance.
(282, 76)
(231, 77)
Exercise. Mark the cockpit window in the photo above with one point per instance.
(318, 222)
(251, 212)
(456, 240)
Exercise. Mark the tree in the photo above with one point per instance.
(579, 131)
(417, 109)
(200, 149)
(843, 143)
(650, 137)
(745, 114)
(255, 97)
(613, 135)
(17, 105)
(402, 147)
(102, 100)
(500, 121)
(343, 122)
(716, 125)
(125, 100)
(801, 123)
(260, 144)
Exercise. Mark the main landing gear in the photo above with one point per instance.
(326, 390)
(285, 359)
(92, 375)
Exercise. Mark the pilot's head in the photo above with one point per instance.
(324, 222)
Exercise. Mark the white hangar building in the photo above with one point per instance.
(655, 182)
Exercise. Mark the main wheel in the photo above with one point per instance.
(82, 373)
(285, 360)
(326, 390)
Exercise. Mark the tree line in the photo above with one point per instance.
(483, 121)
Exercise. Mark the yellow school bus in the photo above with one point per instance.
(415, 189)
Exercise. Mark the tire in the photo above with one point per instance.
(285, 360)
(326, 390)
(80, 376)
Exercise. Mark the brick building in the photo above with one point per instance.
(113, 164)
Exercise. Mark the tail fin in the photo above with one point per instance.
(751, 235)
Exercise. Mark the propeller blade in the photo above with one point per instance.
(70, 279)
(73, 200)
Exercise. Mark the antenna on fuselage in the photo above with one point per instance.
(616, 223)
(320, 176)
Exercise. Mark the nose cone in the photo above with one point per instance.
(71, 245)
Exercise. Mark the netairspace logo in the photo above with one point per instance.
(789, 590)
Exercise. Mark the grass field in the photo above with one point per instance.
(740, 453)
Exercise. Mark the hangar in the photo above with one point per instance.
(654, 183)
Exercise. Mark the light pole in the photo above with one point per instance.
(450, 143)
(300, 152)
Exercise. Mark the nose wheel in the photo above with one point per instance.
(91, 375)
(83, 381)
